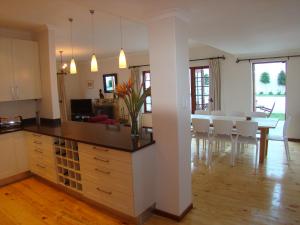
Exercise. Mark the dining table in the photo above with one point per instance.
(264, 125)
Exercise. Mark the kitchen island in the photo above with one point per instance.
(101, 164)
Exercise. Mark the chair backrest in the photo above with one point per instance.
(201, 125)
(237, 113)
(223, 127)
(258, 114)
(217, 113)
(147, 120)
(286, 126)
(202, 112)
(246, 128)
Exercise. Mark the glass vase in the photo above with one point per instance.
(134, 127)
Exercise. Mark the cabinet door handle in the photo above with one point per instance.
(12, 90)
(17, 92)
(105, 192)
(102, 171)
(100, 149)
(43, 167)
(37, 142)
(38, 150)
(102, 160)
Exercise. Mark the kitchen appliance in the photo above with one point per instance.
(7, 123)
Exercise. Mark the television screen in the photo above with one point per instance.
(81, 106)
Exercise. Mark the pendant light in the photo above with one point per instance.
(63, 66)
(122, 57)
(73, 69)
(94, 63)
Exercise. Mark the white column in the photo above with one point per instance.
(49, 105)
(168, 38)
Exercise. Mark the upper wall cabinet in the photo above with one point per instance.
(6, 70)
(20, 70)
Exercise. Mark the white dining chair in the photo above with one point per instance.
(201, 112)
(222, 133)
(217, 113)
(246, 134)
(258, 114)
(201, 130)
(237, 114)
(283, 138)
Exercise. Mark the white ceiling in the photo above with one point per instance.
(235, 26)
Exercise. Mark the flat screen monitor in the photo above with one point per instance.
(81, 106)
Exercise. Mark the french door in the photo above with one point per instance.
(199, 88)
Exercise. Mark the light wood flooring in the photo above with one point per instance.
(221, 195)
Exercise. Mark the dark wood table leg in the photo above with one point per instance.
(267, 143)
(263, 144)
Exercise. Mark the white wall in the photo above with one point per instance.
(26, 109)
(293, 94)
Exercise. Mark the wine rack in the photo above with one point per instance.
(67, 161)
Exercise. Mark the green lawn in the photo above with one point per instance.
(280, 116)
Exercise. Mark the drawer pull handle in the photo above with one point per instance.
(37, 135)
(38, 150)
(102, 149)
(37, 142)
(101, 171)
(105, 192)
(43, 167)
(102, 160)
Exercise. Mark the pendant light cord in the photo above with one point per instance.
(71, 35)
(93, 30)
(121, 31)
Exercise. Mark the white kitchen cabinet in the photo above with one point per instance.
(19, 69)
(26, 69)
(6, 70)
(13, 154)
(21, 151)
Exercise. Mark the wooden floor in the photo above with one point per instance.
(221, 195)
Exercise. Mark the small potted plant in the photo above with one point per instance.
(134, 100)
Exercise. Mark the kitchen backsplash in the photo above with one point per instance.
(26, 109)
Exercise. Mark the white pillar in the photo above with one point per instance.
(168, 38)
(49, 104)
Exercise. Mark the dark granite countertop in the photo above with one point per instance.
(10, 130)
(115, 137)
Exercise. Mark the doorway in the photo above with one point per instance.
(270, 89)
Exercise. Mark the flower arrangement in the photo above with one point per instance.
(134, 100)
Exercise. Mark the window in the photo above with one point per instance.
(199, 88)
(147, 84)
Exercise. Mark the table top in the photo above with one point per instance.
(262, 122)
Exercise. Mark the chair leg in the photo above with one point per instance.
(197, 145)
(233, 149)
(287, 150)
(256, 155)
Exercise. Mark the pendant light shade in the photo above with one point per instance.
(73, 69)
(122, 57)
(122, 60)
(94, 64)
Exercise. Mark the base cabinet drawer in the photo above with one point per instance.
(108, 197)
(44, 171)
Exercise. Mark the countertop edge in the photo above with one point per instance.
(87, 142)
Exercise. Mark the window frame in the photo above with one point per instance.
(144, 88)
(202, 86)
